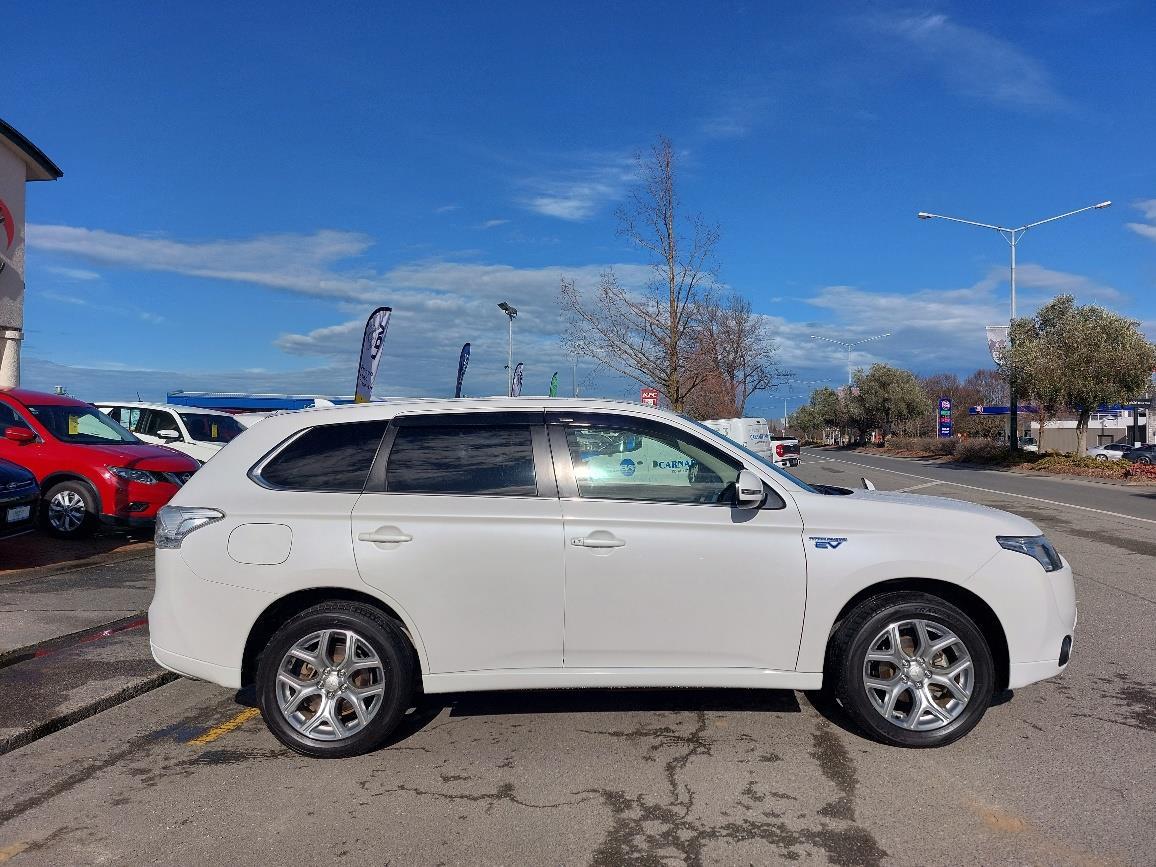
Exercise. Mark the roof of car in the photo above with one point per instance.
(143, 404)
(41, 398)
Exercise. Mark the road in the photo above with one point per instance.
(1060, 772)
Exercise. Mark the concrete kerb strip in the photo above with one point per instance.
(121, 555)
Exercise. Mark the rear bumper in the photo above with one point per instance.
(187, 666)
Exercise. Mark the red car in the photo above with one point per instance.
(90, 469)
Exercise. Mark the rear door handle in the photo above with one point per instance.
(594, 542)
(384, 537)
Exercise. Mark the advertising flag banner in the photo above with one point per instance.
(375, 329)
(997, 341)
(516, 387)
(554, 384)
(463, 363)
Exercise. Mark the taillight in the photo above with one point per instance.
(779, 450)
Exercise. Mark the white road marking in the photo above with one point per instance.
(919, 487)
(994, 491)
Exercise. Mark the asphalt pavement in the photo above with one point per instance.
(1057, 773)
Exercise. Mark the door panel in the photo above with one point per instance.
(480, 576)
(660, 570)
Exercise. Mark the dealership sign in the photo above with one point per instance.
(650, 396)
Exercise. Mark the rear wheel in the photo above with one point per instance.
(911, 670)
(69, 510)
(1101, 457)
(335, 680)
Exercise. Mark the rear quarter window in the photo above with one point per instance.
(327, 458)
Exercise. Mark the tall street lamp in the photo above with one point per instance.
(510, 312)
(849, 346)
(1013, 236)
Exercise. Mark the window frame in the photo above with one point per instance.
(544, 470)
(256, 472)
(557, 422)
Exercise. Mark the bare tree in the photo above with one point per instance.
(737, 356)
(651, 336)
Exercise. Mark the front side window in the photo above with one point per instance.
(462, 459)
(207, 428)
(83, 425)
(154, 420)
(11, 418)
(648, 462)
(333, 457)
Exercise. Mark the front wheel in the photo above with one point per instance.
(335, 680)
(69, 510)
(1101, 457)
(911, 670)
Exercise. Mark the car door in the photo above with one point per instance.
(29, 455)
(460, 525)
(661, 571)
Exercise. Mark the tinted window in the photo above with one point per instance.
(10, 418)
(330, 458)
(649, 462)
(462, 460)
(81, 424)
(211, 428)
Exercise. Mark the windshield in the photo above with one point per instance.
(81, 424)
(755, 456)
(207, 428)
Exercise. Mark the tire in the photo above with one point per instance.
(69, 510)
(893, 702)
(344, 720)
(1101, 457)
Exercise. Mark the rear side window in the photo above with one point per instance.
(497, 461)
(330, 458)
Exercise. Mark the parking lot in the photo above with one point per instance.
(185, 773)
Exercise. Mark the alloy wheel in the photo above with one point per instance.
(330, 684)
(918, 674)
(66, 511)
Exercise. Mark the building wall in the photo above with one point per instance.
(12, 180)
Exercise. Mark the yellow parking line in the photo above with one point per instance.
(225, 727)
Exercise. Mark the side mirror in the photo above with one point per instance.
(749, 493)
(20, 435)
(169, 434)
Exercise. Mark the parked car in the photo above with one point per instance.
(198, 433)
(755, 435)
(1110, 452)
(90, 469)
(339, 560)
(1141, 455)
(19, 496)
(1029, 444)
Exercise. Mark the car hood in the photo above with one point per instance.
(912, 513)
(142, 456)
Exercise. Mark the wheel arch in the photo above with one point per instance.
(53, 479)
(970, 603)
(270, 620)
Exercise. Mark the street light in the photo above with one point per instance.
(849, 346)
(510, 312)
(1013, 236)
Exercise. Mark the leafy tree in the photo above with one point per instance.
(1077, 358)
(736, 355)
(884, 397)
(652, 336)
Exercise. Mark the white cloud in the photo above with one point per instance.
(73, 273)
(491, 224)
(446, 209)
(975, 63)
(77, 301)
(737, 115)
(1148, 229)
(580, 193)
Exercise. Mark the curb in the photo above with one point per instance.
(51, 726)
(48, 645)
(119, 556)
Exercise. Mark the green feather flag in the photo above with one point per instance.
(554, 384)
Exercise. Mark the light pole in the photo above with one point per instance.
(510, 312)
(1013, 236)
(849, 346)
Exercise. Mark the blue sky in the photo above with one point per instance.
(242, 186)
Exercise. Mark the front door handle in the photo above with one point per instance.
(597, 542)
(385, 536)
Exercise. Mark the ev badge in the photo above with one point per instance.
(828, 542)
(627, 467)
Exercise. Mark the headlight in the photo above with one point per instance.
(131, 475)
(174, 523)
(1036, 547)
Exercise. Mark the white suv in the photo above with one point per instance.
(198, 433)
(339, 559)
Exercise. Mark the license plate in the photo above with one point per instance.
(19, 513)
